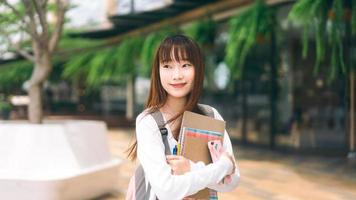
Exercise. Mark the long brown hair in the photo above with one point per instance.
(176, 47)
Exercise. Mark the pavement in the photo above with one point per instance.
(265, 174)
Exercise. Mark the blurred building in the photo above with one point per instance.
(312, 113)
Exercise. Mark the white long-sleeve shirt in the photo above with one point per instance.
(164, 185)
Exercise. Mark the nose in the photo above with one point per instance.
(177, 73)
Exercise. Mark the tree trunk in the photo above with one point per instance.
(40, 73)
(130, 97)
(35, 113)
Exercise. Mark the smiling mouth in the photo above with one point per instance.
(180, 85)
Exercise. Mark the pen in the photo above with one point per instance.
(175, 150)
(178, 149)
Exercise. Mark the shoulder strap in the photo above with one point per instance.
(140, 185)
(207, 110)
(157, 116)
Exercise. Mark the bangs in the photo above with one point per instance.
(179, 50)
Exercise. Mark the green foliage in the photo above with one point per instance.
(15, 74)
(202, 31)
(128, 56)
(150, 46)
(97, 65)
(336, 39)
(67, 43)
(105, 65)
(8, 17)
(116, 62)
(314, 15)
(77, 66)
(11, 24)
(244, 30)
(311, 14)
(5, 106)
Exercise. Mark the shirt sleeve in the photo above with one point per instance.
(227, 148)
(150, 153)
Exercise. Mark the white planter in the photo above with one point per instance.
(56, 160)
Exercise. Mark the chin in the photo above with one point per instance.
(179, 95)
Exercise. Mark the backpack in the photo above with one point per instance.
(137, 186)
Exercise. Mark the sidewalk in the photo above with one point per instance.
(265, 174)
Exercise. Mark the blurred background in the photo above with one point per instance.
(281, 73)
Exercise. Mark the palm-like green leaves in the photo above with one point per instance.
(202, 31)
(128, 56)
(325, 18)
(253, 23)
(105, 65)
(131, 56)
(336, 37)
(311, 14)
(149, 48)
(76, 66)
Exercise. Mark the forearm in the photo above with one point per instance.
(165, 185)
(220, 187)
(226, 187)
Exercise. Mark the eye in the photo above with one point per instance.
(166, 66)
(187, 65)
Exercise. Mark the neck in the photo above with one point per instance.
(174, 105)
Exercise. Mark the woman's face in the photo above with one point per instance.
(177, 78)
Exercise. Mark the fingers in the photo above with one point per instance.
(172, 162)
(174, 157)
(175, 162)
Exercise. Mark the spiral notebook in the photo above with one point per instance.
(196, 131)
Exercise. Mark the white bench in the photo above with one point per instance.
(56, 160)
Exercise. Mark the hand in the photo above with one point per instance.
(216, 152)
(225, 154)
(179, 164)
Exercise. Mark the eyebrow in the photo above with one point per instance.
(167, 62)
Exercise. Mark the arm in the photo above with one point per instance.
(150, 153)
(227, 148)
(235, 177)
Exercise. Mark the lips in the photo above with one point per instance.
(178, 85)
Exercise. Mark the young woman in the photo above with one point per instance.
(176, 83)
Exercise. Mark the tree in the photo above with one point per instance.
(38, 38)
(335, 25)
(246, 30)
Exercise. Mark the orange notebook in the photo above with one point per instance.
(196, 131)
